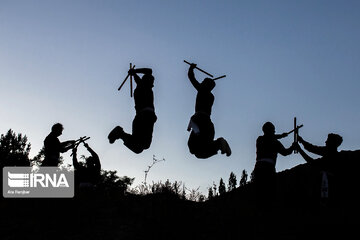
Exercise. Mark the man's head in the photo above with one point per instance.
(148, 80)
(333, 141)
(208, 84)
(90, 162)
(268, 128)
(57, 129)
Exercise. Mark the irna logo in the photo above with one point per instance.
(47, 182)
(37, 180)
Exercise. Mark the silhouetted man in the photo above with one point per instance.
(327, 164)
(53, 147)
(330, 150)
(267, 149)
(143, 123)
(201, 141)
(87, 175)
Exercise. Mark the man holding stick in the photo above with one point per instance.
(330, 150)
(267, 148)
(87, 175)
(201, 141)
(143, 123)
(53, 147)
(327, 164)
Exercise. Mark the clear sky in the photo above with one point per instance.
(62, 61)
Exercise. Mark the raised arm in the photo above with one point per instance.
(94, 155)
(312, 148)
(92, 152)
(134, 72)
(147, 71)
(306, 157)
(75, 161)
(65, 146)
(192, 78)
(279, 136)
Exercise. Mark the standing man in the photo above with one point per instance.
(53, 147)
(328, 164)
(88, 175)
(201, 141)
(143, 123)
(267, 148)
(330, 150)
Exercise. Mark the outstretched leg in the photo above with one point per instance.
(116, 134)
(202, 143)
(224, 147)
(202, 147)
(133, 142)
(142, 130)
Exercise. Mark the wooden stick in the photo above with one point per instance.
(295, 134)
(200, 69)
(124, 80)
(131, 84)
(219, 77)
(296, 128)
(80, 140)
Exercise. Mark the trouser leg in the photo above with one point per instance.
(142, 130)
(202, 144)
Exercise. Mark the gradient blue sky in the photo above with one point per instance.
(62, 61)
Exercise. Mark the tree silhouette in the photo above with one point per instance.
(110, 181)
(252, 176)
(210, 193)
(222, 187)
(37, 160)
(201, 198)
(195, 195)
(232, 182)
(14, 149)
(244, 177)
(215, 189)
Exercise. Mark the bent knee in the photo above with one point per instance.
(137, 150)
(201, 156)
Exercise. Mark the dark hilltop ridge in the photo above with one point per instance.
(304, 207)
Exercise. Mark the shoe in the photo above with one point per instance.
(224, 147)
(115, 134)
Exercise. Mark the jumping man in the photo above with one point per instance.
(143, 123)
(201, 142)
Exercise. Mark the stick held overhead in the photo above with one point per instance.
(80, 140)
(200, 69)
(295, 129)
(296, 133)
(219, 77)
(123, 82)
(125, 79)
(131, 85)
